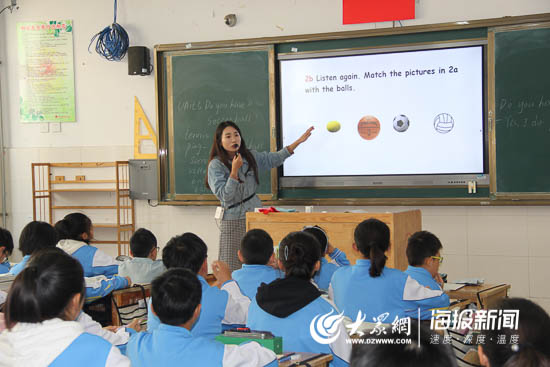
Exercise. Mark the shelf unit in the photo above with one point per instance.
(53, 193)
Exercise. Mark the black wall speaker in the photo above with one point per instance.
(139, 61)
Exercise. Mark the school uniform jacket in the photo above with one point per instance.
(383, 298)
(226, 305)
(100, 286)
(324, 275)
(171, 345)
(425, 279)
(18, 268)
(141, 270)
(287, 307)
(249, 278)
(5, 267)
(56, 343)
(94, 261)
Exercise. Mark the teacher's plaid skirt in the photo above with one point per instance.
(231, 235)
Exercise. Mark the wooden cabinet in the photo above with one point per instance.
(340, 228)
(100, 190)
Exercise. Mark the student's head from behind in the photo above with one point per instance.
(176, 297)
(424, 250)
(37, 235)
(6, 244)
(393, 352)
(143, 243)
(75, 226)
(321, 236)
(186, 251)
(50, 286)
(534, 336)
(228, 140)
(372, 239)
(256, 247)
(299, 255)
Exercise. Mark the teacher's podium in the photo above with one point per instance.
(340, 227)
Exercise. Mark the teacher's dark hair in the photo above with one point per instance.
(44, 288)
(372, 238)
(217, 151)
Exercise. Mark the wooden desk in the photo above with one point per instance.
(125, 297)
(312, 359)
(484, 295)
(340, 228)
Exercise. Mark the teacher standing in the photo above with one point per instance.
(232, 176)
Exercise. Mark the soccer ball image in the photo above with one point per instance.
(401, 123)
(444, 123)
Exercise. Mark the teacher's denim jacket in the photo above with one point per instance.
(230, 191)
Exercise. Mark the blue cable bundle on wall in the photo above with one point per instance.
(112, 43)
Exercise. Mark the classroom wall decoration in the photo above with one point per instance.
(46, 79)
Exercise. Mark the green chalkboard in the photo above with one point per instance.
(522, 110)
(204, 88)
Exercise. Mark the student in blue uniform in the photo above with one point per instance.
(101, 286)
(256, 253)
(424, 256)
(224, 305)
(381, 294)
(323, 276)
(288, 307)
(144, 267)
(176, 298)
(6, 248)
(75, 233)
(35, 236)
(44, 300)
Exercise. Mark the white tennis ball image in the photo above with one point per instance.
(333, 126)
(443, 123)
(401, 123)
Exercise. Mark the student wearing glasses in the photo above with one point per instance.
(424, 256)
(144, 267)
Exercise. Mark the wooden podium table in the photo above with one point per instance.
(485, 295)
(340, 227)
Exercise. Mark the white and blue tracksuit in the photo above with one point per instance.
(100, 286)
(426, 279)
(171, 345)
(383, 298)
(18, 268)
(249, 278)
(287, 307)
(226, 305)
(324, 275)
(94, 261)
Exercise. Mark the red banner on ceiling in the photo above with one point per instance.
(369, 11)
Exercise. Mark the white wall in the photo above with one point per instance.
(502, 244)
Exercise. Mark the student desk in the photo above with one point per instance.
(308, 359)
(484, 295)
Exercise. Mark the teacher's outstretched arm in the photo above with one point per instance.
(300, 140)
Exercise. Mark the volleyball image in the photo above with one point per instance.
(333, 126)
(368, 127)
(401, 123)
(444, 123)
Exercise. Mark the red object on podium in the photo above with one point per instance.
(370, 11)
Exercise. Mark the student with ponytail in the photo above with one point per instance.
(75, 233)
(287, 306)
(380, 293)
(43, 303)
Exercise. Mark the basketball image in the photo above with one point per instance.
(368, 127)
(400, 123)
(333, 126)
(444, 123)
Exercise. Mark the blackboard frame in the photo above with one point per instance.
(167, 143)
(488, 196)
(496, 194)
